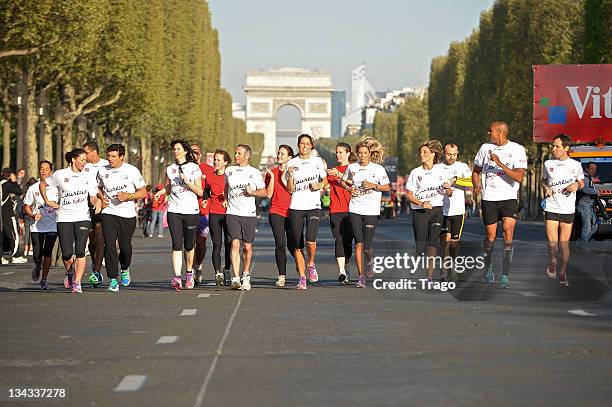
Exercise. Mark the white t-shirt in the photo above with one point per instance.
(497, 185)
(182, 199)
(33, 198)
(91, 169)
(307, 171)
(74, 190)
(368, 201)
(426, 185)
(559, 174)
(111, 181)
(237, 179)
(455, 205)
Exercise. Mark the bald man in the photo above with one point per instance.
(502, 164)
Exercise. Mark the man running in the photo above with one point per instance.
(454, 206)
(96, 237)
(120, 185)
(502, 164)
(243, 184)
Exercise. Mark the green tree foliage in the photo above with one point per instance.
(412, 130)
(385, 130)
(598, 40)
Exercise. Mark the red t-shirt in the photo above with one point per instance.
(206, 171)
(340, 197)
(281, 199)
(216, 183)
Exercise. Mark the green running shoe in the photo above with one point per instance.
(125, 277)
(488, 276)
(503, 281)
(93, 280)
(114, 285)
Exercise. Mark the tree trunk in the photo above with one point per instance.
(48, 140)
(31, 141)
(6, 138)
(67, 137)
(145, 152)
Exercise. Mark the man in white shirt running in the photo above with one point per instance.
(453, 207)
(243, 184)
(121, 184)
(96, 237)
(502, 164)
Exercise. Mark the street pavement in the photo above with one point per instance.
(535, 343)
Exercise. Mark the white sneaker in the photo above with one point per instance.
(235, 283)
(5, 261)
(20, 260)
(246, 282)
(281, 281)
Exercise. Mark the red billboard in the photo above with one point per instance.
(572, 99)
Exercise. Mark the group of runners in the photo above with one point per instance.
(93, 200)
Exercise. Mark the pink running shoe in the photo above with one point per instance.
(361, 282)
(369, 270)
(302, 284)
(551, 271)
(76, 287)
(176, 283)
(312, 274)
(190, 281)
(68, 280)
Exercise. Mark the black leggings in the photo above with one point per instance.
(364, 227)
(73, 238)
(427, 225)
(298, 217)
(43, 245)
(283, 238)
(343, 234)
(116, 228)
(218, 234)
(183, 230)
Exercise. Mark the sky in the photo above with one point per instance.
(396, 39)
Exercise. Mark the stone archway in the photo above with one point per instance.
(269, 90)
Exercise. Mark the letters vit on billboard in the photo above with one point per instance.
(572, 99)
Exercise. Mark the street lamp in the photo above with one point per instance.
(58, 114)
(19, 94)
(42, 105)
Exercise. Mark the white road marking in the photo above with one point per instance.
(527, 294)
(581, 313)
(8, 272)
(130, 383)
(166, 339)
(189, 312)
(205, 295)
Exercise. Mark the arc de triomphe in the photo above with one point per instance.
(269, 90)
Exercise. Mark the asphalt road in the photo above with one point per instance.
(535, 343)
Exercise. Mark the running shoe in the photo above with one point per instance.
(114, 285)
(68, 280)
(302, 284)
(227, 279)
(176, 283)
(20, 260)
(342, 277)
(236, 283)
(312, 274)
(503, 281)
(361, 282)
(281, 281)
(369, 270)
(198, 276)
(189, 280)
(488, 277)
(551, 271)
(99, 277)
(219, 278)
(125, 277)
(246, 282)
(76, 287)
(563, 280)
(35, 272)
(93, 280)
(43, 285)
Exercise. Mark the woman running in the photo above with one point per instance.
(306, 176)
(75, 188)
(184, 185)
(366, 180)
(426, 187)
(276, 189)
(215, 189)
(561, 178)
(44, 228)
(339, 218)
